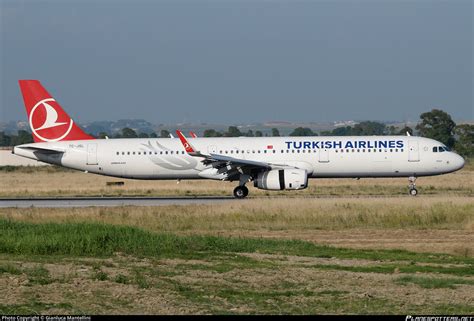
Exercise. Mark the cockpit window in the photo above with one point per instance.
(440, 149)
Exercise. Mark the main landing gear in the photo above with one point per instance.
(412, 186)
(241, 191)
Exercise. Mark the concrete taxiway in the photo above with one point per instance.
(109, 201)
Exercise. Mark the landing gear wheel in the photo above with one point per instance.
(412, 186)
(241, 192)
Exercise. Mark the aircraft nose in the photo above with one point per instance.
(457, 162)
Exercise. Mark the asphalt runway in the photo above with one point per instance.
(155, 201)
(109, 201)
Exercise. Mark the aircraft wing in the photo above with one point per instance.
(231, 166)
(234, 167)
(236, 161)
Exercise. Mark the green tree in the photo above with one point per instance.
(342, 131)
(438, 125)
(153, 135)
(392, 130)
(164, 133)
(250, 133)
(128, 133)
(275, 132)
(143, 135)
(102, 135)
(258, 133)
(5, 140)
(300, 131)
(233, 131)
(23, 137)
(211, 133)
(465, 140)
(368, 128)
(405, 130)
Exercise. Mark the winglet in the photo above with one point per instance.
(193, 135)
(189, 149)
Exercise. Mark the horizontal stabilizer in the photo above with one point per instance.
(45, 150)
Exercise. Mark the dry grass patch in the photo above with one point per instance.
(273, 214)
(43, 182)
(420, 224)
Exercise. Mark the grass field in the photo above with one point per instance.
(100, 268)
(300, 254)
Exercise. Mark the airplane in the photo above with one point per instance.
(271, 163)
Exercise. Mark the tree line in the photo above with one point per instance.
(436, 124)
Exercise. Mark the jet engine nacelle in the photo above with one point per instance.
(278, 179)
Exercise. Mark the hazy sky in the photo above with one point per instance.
(240, 61)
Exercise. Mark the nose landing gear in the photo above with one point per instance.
(412, 186)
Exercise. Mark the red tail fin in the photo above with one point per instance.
(48, 121)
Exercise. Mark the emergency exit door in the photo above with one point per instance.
(324, 155)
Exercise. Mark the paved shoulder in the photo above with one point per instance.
(108, 201)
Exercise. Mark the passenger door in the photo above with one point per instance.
(92, 154)
(413, 151)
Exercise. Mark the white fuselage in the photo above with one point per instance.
(331, 156)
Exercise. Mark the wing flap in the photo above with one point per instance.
(239, 161)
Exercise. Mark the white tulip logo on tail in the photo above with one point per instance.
(50, 121)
